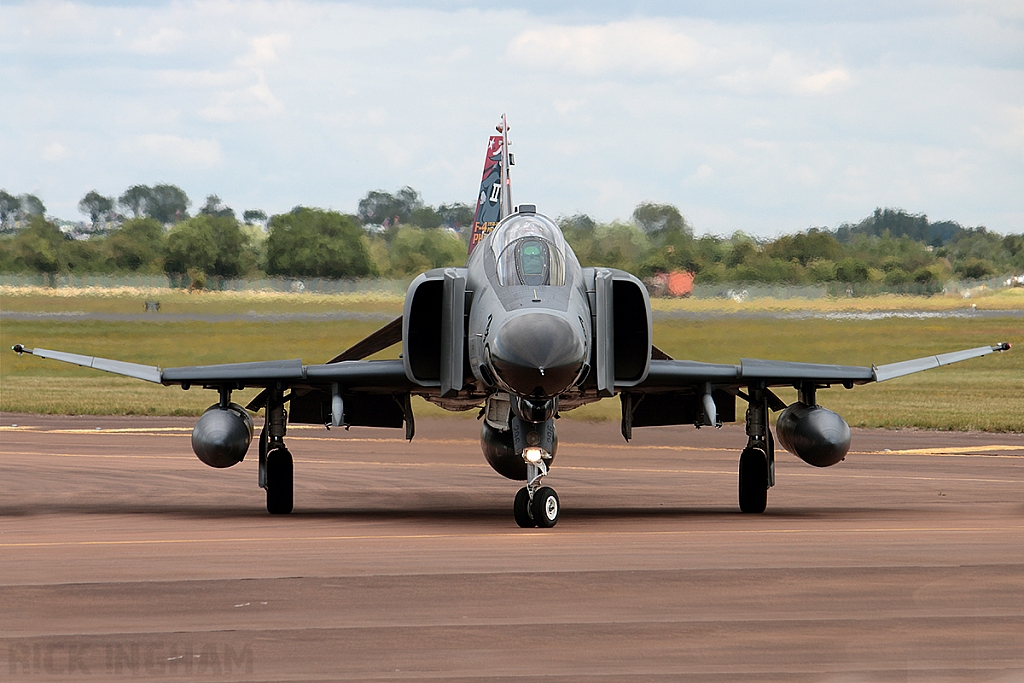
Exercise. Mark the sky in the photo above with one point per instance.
(762, 117)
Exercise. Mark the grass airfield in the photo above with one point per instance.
(981, 394)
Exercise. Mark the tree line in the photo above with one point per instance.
(149, 230)
(890, 247)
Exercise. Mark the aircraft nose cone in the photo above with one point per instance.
(537, 354)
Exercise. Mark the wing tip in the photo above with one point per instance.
(1002, 346)
(20, 349)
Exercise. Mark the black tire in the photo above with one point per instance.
(753, 481)
(279, 481)
(545, 507)
(521, 509)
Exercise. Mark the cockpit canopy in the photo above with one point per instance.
(529, 250)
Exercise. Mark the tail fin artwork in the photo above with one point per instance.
(494, 200)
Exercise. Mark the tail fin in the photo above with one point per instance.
(494, 200)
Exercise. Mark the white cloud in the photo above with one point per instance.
(185, 79)
(823, 81)
(243, 101)
(1008, 134)
(757, 120)
(162, 40)
(704, 172)
(55, 152)
(264, 51)
(638, 47)
(699, 54)
(569, 107)
(397, 153)
(175, 151)
(776, 71)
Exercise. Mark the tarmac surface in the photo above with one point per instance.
(122, 557)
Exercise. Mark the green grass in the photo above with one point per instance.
(133, 300)
(1002, 299)
(985, 393)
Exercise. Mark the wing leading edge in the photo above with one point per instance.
(671, 374)
(366, 374)
(390, 374)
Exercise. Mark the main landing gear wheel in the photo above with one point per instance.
(521, 509)
(279, 481)
(545, 507)
(753, 480)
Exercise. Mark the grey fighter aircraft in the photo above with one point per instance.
(521, 332)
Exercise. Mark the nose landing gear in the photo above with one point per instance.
(540, 511)
(536, 505)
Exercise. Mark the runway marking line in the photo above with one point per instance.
(507, 534)
(562, 468)
(98, 455)
(954, 451)
(115, 430)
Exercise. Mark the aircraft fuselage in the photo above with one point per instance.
(529, 323)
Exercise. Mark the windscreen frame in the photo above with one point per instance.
(508, 242)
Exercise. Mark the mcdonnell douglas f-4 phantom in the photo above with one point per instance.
(525, 332)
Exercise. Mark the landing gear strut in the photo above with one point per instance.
(276, 465)
(757, 462)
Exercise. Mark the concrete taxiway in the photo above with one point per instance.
(122, 557)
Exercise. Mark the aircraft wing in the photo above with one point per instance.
(670, 374)
(362, 374)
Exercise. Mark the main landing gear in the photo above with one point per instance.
(757, 461)
(276, 465)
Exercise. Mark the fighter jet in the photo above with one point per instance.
(522, 332)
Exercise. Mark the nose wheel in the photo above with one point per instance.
(540, 510)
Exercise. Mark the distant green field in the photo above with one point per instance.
(986, 393)
(133, 300)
